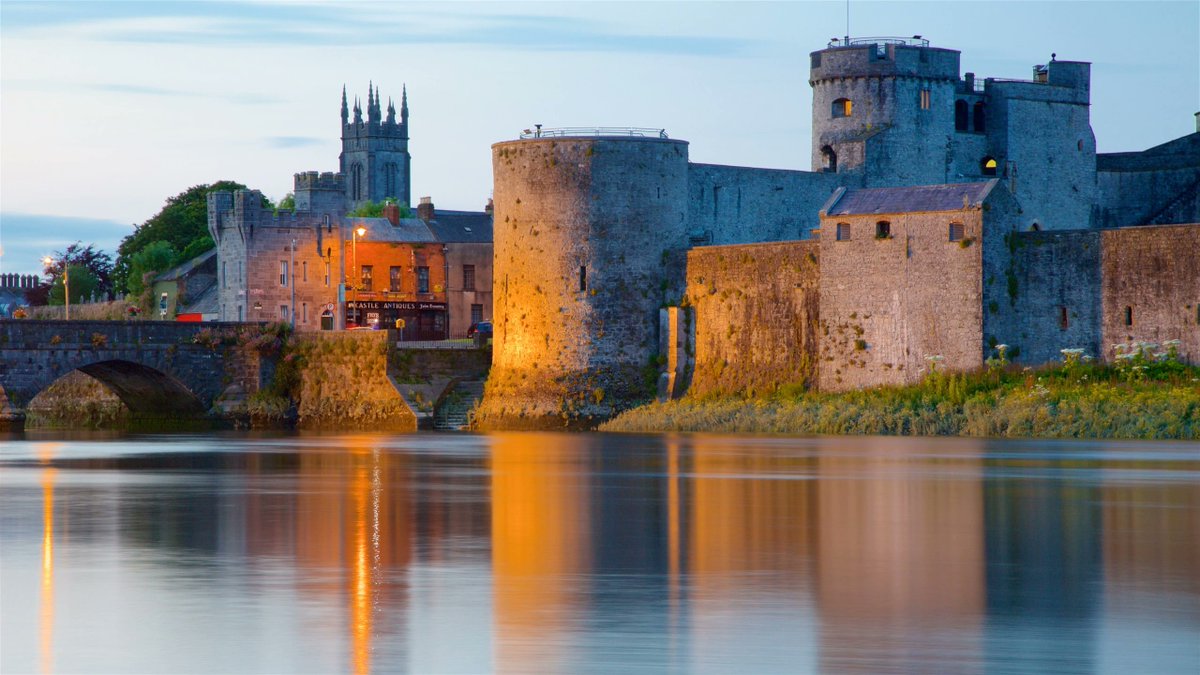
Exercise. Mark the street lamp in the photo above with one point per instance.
(47, 261)
(358, 232)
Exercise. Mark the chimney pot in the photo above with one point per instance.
(425, 209)
(391, 211)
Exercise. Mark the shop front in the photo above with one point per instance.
(420, 320)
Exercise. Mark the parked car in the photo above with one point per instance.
(483, 328)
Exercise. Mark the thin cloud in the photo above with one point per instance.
(25, 237)
(294, 141)
(348, 25)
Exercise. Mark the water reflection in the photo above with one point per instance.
(568, 553)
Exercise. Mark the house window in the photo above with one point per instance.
(883, 230)
(367, 275)
(283, 312)
(987, 166)
(843, 231)
(1128, 316)
(583, 277)
(468, 278)
(956, 231)
(283, 271)
(925, 99)
(476, 313)
(1063, 319)
(422, 279)
(843, 107)
(395, 279)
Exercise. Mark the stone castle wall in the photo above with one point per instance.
(886, 304)
(756, 312)
(742, 205)
(1154, 272)
(586, 230)
(1055, 300)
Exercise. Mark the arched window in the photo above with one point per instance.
(843, 107)
(987, 166)
(1035, 227)
(356, 182)
(979, 121)
(830, 158)
(960, 115)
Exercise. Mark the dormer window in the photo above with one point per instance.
(843, 107)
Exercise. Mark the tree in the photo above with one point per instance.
(83, 283)
(194, 249)
(98, 263)
(288, 203)
(181, 221)
(371, 209)
(156, 257)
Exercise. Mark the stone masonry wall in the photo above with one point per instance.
(1155, 273)
(585, 229)
(741, 205)
(888, 303)
(756, 312)
(1057, 295)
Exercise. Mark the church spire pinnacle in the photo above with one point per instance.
(391, 117)
(345, 110)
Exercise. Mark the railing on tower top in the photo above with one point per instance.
(914, 41)
(559, 132)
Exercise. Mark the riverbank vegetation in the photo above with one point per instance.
(1145, 393)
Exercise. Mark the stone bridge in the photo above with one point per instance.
(155, 367)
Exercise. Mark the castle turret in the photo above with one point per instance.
(883, 106)
(375, 160)
(583, 225)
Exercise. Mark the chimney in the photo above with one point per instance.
(391, 211)
(1198, 122)
(425, 209)
(490, 207)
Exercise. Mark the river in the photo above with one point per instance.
(576, 553)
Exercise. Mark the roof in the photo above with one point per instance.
(469, 227)
(185, 268)
(949, 197)
(410, 230)
(205, 303)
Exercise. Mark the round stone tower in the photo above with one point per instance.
(884, 106)
(590, 233)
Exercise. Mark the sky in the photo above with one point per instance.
(109, 108)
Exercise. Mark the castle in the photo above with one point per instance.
(944, 214)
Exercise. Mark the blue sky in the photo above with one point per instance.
(108, 108)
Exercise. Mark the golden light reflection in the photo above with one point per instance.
(47, 594)
(365, 491)
(541, 545)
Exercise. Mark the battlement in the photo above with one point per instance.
(312, 180)
(19, 281)
(883, 57)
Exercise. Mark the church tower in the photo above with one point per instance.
(375, 160)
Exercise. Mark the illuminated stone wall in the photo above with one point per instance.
(756, 309)
(589, 234)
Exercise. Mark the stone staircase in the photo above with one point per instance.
(453, 413)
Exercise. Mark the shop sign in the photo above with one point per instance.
(410, 306)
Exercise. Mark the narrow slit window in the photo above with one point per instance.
(961, 115)
(1064, 320)
(304, 271)
(1128, 316)
(956, 231)
(583, 277)
(283, 272)
(926, 99)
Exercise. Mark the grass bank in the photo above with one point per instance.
(1139, 398)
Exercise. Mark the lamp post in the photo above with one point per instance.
(47, 261)
(358, 232)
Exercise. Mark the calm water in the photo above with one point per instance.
(529, 553)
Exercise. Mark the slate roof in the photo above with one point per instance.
(185, 268)
(470, 227)
(922, 198)
(206, 303)
(410, 230)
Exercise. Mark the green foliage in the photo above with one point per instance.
(97, 263)
(156, 257)
(195, 248)
(1081, 399)
(375, 209)
(288, 203)
(181, 221)
(83, 284)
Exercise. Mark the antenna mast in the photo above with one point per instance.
(847, 43)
